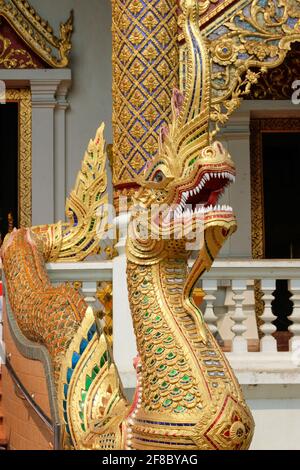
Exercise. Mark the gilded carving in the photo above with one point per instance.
(11, 58)
(104, 295)
(38, 34)
(86, 210)
(23, 98)
(245, 41)
(276, 84)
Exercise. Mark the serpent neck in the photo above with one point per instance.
(166, 338)
(183, 380)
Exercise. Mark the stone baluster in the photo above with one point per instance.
(268, 342)
(239, 342)
(294, 287)
(89, 290)
(210, 287)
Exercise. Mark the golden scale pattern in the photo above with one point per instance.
(145, 71)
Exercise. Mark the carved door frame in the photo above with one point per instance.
(23, 98)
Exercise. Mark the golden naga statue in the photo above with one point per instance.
(187, 396)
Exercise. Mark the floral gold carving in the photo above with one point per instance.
(245, 41)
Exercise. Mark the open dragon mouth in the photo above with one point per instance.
(204, 195)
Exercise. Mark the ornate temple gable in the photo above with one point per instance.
(246, 40)
(14, 52)
(28, 41)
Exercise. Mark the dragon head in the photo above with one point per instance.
(182, 185)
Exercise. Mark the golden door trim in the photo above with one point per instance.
(23, 98)
(259, 126)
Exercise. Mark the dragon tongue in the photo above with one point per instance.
(213, 198)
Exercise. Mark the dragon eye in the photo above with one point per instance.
(159, 177)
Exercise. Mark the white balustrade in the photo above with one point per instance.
(239, 343)
(268, 342)
(89, 273)
(240, 276)
(294, 287)
(230, 312)
(210, 287)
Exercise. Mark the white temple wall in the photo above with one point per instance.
(90, 94)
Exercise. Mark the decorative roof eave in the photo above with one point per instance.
(37, 33)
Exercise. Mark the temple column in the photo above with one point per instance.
(145, 71)
(43, 105)
(60, 191)
(49, 104)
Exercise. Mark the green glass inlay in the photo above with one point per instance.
(164, 386)
(158, 335)
(185, 379)
(167, 403)
(96, 369)
(157, 319)
(171, 356)
(88, 382)
(102, 361)
(189, 397)
(192, 161)
(145, 300)
(83, 395)
(147, 315)
(168, 340)
(81, 416)
(173, 373)
(176, 391)
(83, 427)
(162, 368)
(149, 347)
(159, 351)
(148, 331)
(179, 409)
